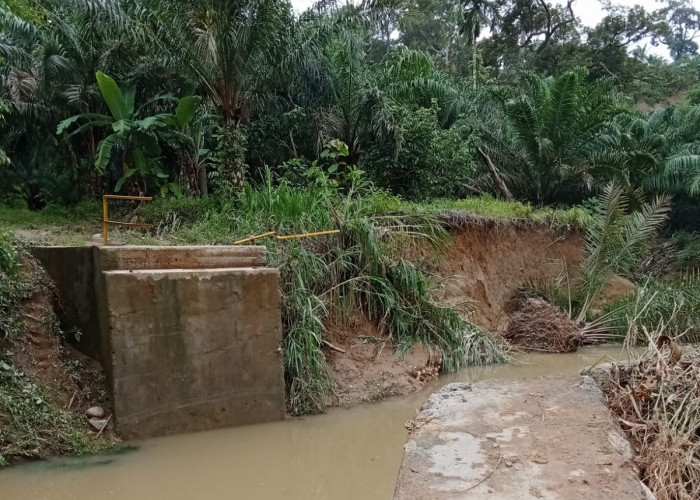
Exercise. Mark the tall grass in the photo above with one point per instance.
(364, 269)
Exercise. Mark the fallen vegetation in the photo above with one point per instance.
(657, 402)
(540, 326)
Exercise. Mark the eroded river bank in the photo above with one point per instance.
(343, 454)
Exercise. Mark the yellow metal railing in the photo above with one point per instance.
(307, 235)
(254, 239)
(271, 234)
(105, 214)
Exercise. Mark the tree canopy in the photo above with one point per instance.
(513, 98)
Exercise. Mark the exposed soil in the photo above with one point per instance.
(73, 381)
(369, 369)
(486, 263)
(615, 288)
(77, 380)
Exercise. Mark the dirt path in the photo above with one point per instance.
(546, 438)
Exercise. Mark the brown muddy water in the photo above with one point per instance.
(345, 454)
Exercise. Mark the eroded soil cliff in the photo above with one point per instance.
(486, 263)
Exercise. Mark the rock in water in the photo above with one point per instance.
(98, 423)
(95, 412)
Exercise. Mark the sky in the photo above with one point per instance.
(589, 11)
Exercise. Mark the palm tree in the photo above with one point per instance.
(616, 240)
(354, 99)
(550, 145)
(475, 16)
(49, 74)
(232, 47)
(661, 150)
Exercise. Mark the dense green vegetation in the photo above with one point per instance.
(382, 118)
(543, 110)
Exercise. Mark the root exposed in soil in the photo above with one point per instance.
(539, 326)
(657, 402)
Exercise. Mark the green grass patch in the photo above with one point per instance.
(490, 207)
(76, 216)
(33, 427)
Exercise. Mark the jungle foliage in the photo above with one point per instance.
(244, 116)
(541, 109)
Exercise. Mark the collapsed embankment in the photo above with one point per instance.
(485, 263)
(489, 261)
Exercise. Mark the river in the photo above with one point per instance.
(344, 454)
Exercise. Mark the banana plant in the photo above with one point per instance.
(133, 137)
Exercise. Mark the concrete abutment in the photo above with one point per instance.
(189, 337)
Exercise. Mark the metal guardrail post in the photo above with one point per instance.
(105, 213)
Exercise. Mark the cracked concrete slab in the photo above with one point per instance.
(548, 438)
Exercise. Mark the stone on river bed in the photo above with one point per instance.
(98, 423)
(95, 412)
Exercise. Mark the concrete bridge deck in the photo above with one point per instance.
(548, 438)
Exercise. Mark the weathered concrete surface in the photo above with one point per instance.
(548, 438)
(189, 337)
(194, 350)
(193, 257)
(72, 269)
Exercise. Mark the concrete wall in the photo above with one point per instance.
(194, 350)
(133, 258)
(184, 349)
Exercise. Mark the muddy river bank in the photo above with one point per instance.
(343, 454)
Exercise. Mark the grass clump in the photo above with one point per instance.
(676, 301)
(79, 216)
(33, 427)
(359, 270)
